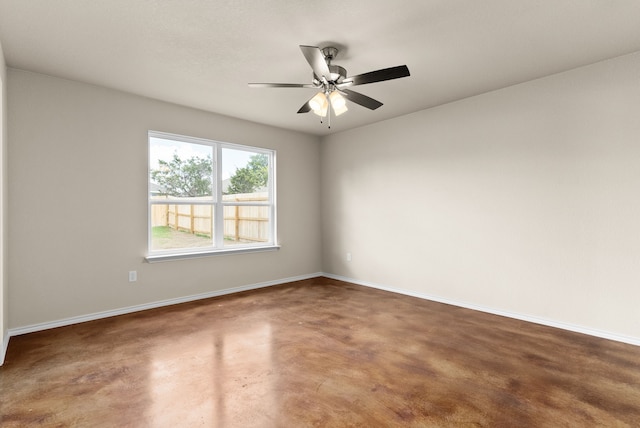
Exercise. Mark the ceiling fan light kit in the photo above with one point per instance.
(333, 82)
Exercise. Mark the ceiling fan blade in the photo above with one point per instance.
(281, 85)
(361, 99)
(316, 60)
(306, 108)
(376, 76)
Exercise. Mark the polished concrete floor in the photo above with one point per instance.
(317, 353)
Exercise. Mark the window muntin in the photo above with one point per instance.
(206, 196)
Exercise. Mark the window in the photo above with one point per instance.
(208, 197)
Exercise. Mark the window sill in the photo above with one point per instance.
(165, 257)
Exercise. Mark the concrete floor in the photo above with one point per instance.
(317, 353)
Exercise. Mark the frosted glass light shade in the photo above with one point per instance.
(319, 104)
(337, 100)
(339, 111)
(338, 103)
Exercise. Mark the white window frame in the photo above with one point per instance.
(217, 203)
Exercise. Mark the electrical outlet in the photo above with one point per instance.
(348, 257)
(133, 276)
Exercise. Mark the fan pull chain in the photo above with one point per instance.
(328, 117)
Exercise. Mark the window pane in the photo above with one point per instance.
(192, 180)
(244, 172)
(181, 226)
(246, 224)
(180, 170)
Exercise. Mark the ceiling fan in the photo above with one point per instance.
(332, 81)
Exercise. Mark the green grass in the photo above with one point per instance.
(159, 232)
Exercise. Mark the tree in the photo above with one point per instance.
(251, 177)
(191, 177)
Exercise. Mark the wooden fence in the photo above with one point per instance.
(242, 223)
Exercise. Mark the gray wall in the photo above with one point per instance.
(4, 282)
(524, 200)
(78, 201)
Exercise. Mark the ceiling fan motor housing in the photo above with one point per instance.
(338, 74)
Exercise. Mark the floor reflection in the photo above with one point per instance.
(214, 378)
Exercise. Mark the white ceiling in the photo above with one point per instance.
(203, 53)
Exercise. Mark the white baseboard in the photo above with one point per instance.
(99, 315)
(5, 345)
(529, 318)
(127, 310)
